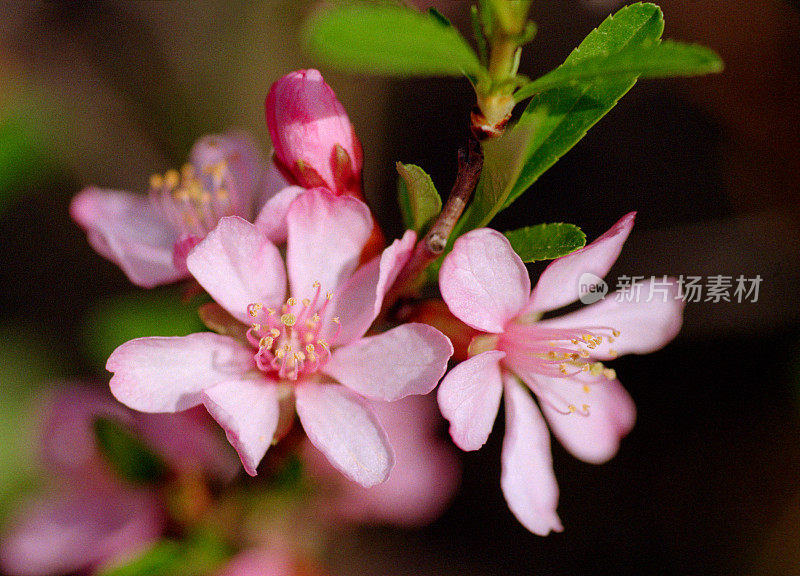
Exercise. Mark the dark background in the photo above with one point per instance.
(709, 480)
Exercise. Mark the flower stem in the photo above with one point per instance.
(432, 245)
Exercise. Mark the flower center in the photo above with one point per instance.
(289, 340)
(562, 351)
(194, 201)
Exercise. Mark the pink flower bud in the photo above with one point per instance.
(313, 138)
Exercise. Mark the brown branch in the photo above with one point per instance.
(431, 247)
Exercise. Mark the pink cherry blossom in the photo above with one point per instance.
(485, 284)
(313, 138)
(309, 347)
(423, 481)
(150, 236)
(90, 516)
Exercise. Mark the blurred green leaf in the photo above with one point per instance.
(119, 318)
(26, 160)
(29, 363)
(387, 39)
(419, 201)
(654, 61)
(546, 241)
(126, 454)
(200, 553)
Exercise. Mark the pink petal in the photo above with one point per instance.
(125, 228)
(260, 562)
(326, 236)
(237, 266)
(272, 218)
(527, 478)
(408, 359)
(423, 481)
(469, 397)
(605, 413)
(169, 374)
(247, 409)
(189, 440)
(67, 442)
(79, 528)
(483, 281)
(558, 284)
(358, 301)
(340, 425)
(643, 326)
(240, 155)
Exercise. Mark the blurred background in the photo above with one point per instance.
(708, 482)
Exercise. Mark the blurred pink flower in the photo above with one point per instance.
(486, 285)
(314, 141)
(92, 517)
(310, 346)
(150, 236)
(422, 483)
(271, 561)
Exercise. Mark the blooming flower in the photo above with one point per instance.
(313, 138)
(309, 346)
(423, 480)
(91, 517)
(150, 236)
(485, 284)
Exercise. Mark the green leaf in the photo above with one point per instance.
(546, 241)
(122, 317)
(654, 61)
(126, 454)
(557, 119)
(387, 39)
(200, 553)
(419, 201)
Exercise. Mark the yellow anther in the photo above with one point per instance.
(587, 337)
(266, 342)
(299, 356)
(280, 353)
(586, 388)
(291, 301)
(613, 352)
(171, 178)
(316, 284)
(585, 368)
(310, 349)
(335, 319)
(553, 355)
(275, 332)
(573, 356)
(610, 373)
(610, 340)
(315, 318)
(271, 311)
(616, 333)
(306, 302)
(585, 407)
(255, 309)
(287, 347)
(575, 341)
(583, 353)
(572, 408)
(288, 319)
(256, 327)
(156, 181)
(323, 343)
(562, 368)
(597, 369)
(329, 296)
